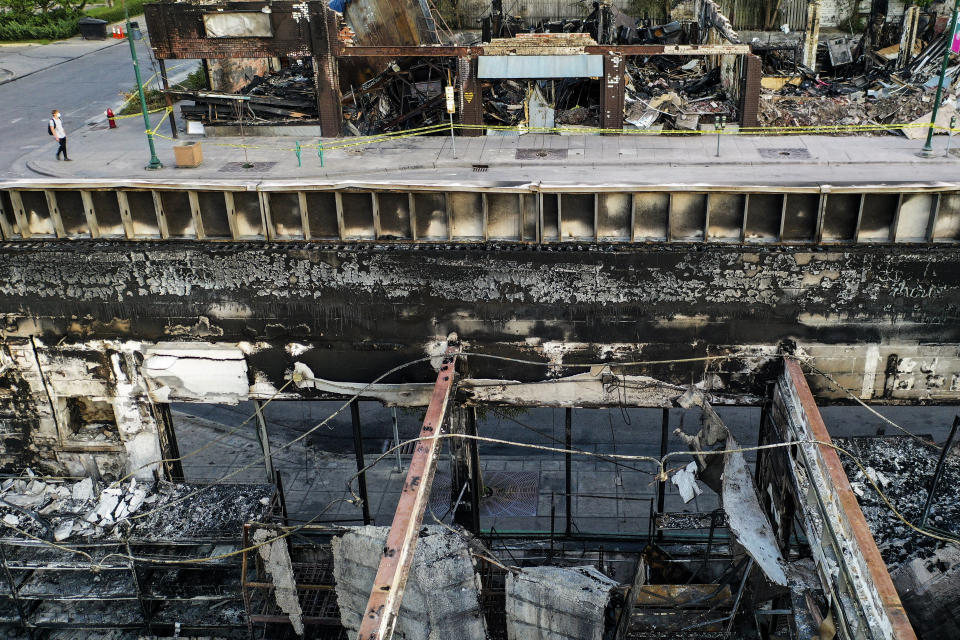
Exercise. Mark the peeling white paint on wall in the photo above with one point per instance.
(197, 372)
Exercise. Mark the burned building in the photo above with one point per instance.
(550, 397)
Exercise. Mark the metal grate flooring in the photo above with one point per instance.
(539, 154)
(235, 167)
(776, 152)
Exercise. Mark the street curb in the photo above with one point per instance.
(46, 173)
(57, 64)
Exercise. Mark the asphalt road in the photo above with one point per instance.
(82, 88)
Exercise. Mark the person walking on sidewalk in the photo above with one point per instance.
(56, 130)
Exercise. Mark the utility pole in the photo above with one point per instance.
(927, 151)
(154, 160)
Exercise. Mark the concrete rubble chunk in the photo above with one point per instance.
(108, 502)
(11, 520)
(442, 596)
(556, 603)
(83, 490)
(276, 559)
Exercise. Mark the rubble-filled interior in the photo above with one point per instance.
(600, 548)
(852, 75)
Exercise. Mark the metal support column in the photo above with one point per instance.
(169, 448)
(264, 440)
(947, 446)
(358, 451)
(386, 595)
(568, 462)
(664, 442)
(476, 477)
(166, 96)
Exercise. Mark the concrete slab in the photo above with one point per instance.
(442, 598)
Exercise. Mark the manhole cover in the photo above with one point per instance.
(775, 153)
(509, 494)
(541, 154)
(248, 166)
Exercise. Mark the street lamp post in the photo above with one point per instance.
(154, 160)
(927, 151)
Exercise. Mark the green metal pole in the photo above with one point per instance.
(154, 160)
(927, 150)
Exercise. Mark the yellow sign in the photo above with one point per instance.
(451, 108)
(468, 96)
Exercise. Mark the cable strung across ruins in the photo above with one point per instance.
(527, 320)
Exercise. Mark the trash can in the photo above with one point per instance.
(188, 154)
(93, 29)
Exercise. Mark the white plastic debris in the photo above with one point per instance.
(686, 481)
(63, 531)
(11, 520)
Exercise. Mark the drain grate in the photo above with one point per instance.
(541, 154)
(774, 153)
(511, 494)
(479, 168)
(248, 166)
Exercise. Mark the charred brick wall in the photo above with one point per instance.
(177, 30)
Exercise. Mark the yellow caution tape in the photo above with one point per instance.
(359, 141)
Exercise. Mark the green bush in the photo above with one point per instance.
(51, 26)
(33, 20)
(115, 13)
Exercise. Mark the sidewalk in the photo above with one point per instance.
(121, 154)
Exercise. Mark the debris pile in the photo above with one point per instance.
(903, 468)
(670, 93)
(407, 94)
(872, 88)
(285, 96)
(59, 511)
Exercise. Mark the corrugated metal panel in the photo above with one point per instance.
(749, 14)
(585, 66)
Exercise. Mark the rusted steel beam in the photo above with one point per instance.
(889, 598)
(670, 49)
(623, 50)
(380, 616)
(410, 52)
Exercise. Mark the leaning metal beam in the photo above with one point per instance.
(380, 615)
(843, 548)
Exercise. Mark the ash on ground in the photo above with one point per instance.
(64, 511)
(903, 467)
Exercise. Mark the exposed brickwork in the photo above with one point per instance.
(612, 96)
(177, 31)
(750, 91)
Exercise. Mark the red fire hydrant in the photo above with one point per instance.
(110, 119)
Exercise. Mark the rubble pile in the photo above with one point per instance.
(864, 89)
(407, 94)
(284, 96)
(903, 468)
(673, 93)
(56, 510)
